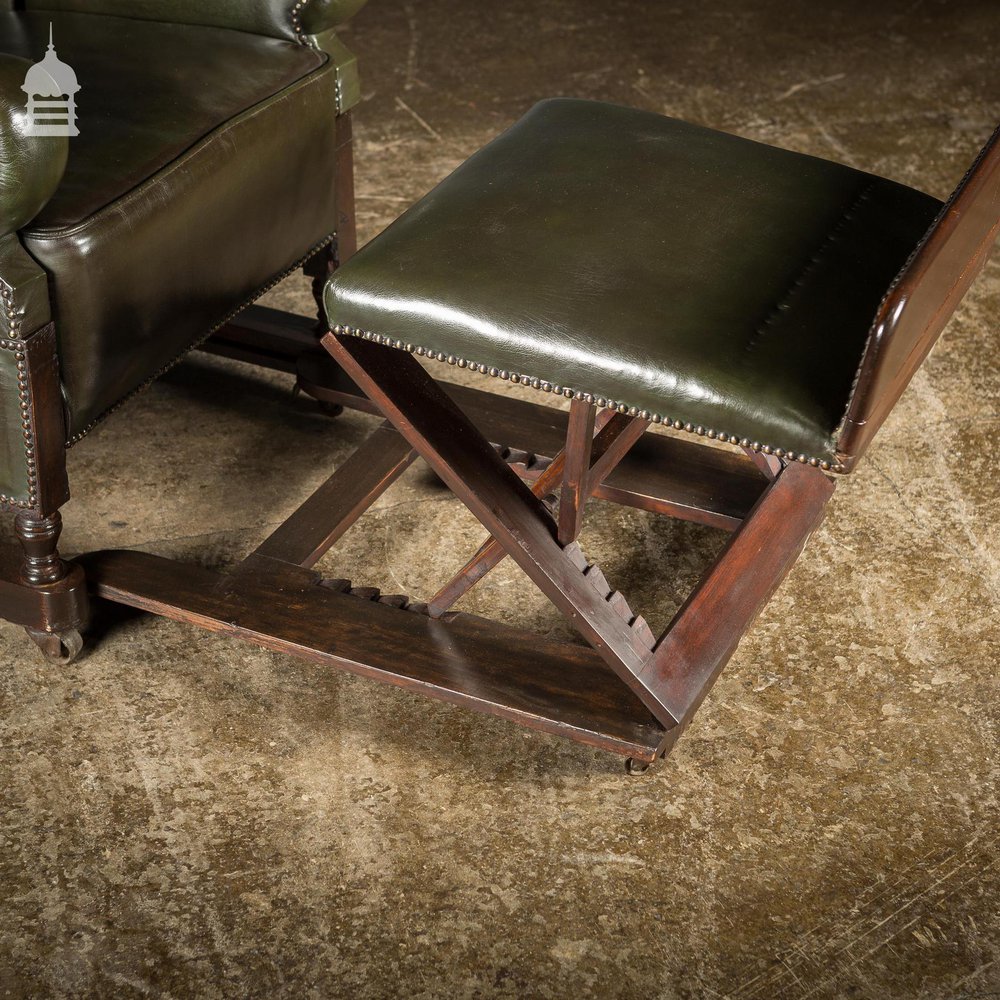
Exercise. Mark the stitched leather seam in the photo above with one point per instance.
(601, 402)
(314, 249)
(810, 266)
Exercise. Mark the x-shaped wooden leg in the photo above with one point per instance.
(616, 433)
(670, 676)
(445, 438)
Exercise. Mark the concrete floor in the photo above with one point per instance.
(185, 816)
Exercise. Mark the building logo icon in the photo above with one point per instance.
(51, 87)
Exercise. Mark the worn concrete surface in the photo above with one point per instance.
(184, 816)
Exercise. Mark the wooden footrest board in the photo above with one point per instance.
(553, 687)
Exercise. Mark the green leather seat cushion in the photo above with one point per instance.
(203, 168)
(709, 280)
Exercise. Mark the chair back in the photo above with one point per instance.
(922, 298)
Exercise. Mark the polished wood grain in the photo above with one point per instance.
(463, 458)
(48, 420)
(38, 588)
(57, 607)
(576, 470)
(613, 448)
(769, 465)
(664, 475)
(560, 688)
(491, 553)
(617, 433)
(923, 299)
(703, 635)
(671, 676)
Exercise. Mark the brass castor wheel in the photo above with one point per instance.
(636, 767)
(57, 647)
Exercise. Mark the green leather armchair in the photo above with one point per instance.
(212, 159)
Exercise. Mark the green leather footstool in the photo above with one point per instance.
(767, 308)
(652, 272)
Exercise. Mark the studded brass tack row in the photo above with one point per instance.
(27, 431)
(296, 14)
(13, 320)
(600, 401)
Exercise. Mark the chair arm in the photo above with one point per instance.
(346, 65)
(309, 22)
(291, 19)
(31, 168)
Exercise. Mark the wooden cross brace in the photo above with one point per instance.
(627, 691)
(670, 675)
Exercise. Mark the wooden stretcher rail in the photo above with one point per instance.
(553, 687)
(344, 496)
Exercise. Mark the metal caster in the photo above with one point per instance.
(57, 647)
(330, 410)
(636, 767)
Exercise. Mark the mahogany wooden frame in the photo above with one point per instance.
(38, 589)
(626, 691)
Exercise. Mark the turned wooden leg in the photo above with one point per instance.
(39, 591)
(44, 569)
(39, 537)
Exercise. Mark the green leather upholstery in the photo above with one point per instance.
(30, 167)
(720, 284)
(13, 466)
(290, 19)
(30, 171)
(203, 170)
